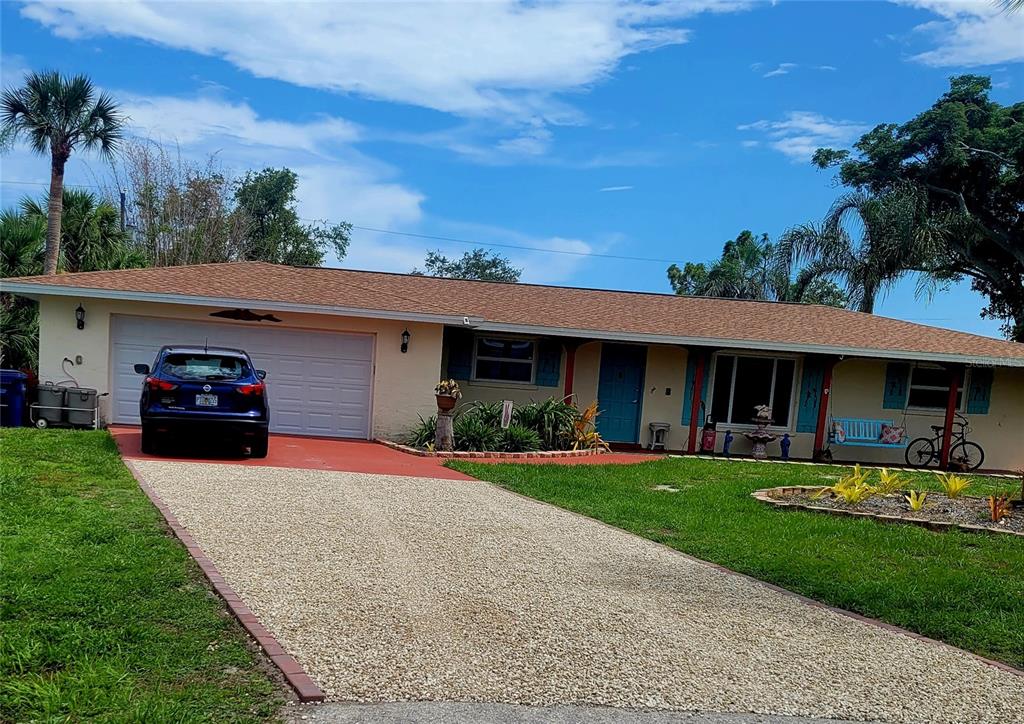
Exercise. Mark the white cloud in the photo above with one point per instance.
(12, 70)
(608, 189)
(494, 59)
(780, 69)
(800, 133)
(970, 33)
(826, 67)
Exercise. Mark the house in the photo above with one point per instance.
(338, 367)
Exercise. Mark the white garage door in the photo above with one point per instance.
(319, 382)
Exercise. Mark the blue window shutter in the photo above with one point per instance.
(691, 377)
(979, 392)
(897, 385)
(549, 362)
(810, 395)
(460, 353)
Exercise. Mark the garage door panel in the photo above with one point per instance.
(318, 382)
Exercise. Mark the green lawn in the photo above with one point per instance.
(103, 615)
(963, 588)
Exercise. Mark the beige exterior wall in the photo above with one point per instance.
(403, 384)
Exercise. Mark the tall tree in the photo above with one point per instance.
(966, 154)
(274, 232)
(870, 243)
(58, 114)
(478, 264)
(91, 235)
(752, 267)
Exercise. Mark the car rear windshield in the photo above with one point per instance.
(204, 366)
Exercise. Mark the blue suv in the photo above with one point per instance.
(206, 390)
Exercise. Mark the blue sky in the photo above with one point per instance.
(652, 131)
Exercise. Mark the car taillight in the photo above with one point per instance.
(253, 389)
(158, 385)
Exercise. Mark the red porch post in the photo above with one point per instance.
(698, 389)
(570, 367)
(947, 429)
(826, 394)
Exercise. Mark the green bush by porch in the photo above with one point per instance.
(962, 588)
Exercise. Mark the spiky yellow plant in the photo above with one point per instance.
(853, 489)
(915, 499)
(999, 506)
(889, 482)
(585, 430)
(952, 484)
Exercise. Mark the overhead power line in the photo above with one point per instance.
(447, 239)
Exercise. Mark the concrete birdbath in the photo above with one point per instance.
(760, 436)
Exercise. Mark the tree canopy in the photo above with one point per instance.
(57, 115)
(966, 155)
(273, 230)
(478, 264)
(752, 267)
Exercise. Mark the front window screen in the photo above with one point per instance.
(929, 388)
(504, 359)
(743, 383)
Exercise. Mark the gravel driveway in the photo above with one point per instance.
(390, 589)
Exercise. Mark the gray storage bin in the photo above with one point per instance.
(50, 397)
(81, 403)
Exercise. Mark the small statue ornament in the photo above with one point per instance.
(784, 444)
(727, 443)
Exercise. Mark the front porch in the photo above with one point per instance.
(640, 384)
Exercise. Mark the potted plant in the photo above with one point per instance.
(447, 393)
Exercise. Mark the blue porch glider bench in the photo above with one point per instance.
(862, 433)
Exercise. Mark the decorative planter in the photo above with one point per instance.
(446, 402)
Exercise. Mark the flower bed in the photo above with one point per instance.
(938, 512)
(490, 454)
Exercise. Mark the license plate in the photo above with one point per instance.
(206, 400)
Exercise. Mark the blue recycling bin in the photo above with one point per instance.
(12, 398)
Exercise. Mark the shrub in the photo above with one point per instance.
(999, 506)
(853, 489)
(915, 499)
(472, 434)
(423, 434)
(585, 434)
(953, 485)
(489, 413)
(889, 482)
(553, 419)
(517, 438)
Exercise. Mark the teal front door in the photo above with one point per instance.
(620, 392)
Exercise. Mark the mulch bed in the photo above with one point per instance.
(966, 511)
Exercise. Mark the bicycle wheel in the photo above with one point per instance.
(969, 454)
(920, 452)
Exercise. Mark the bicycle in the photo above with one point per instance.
(923, 451)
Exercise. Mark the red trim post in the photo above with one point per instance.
(947, 428)
(570, 367)
(698, 389)
(826, 394)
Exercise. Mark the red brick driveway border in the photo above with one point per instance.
(463, 454)
(305, 688)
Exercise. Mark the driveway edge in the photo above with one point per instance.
(305, 688)
(778, 589)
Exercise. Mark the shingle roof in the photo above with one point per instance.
(562, 310)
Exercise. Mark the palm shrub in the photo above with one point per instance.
(423, 434)
(553, 420)
(489, 413)
(516, 438)
(473, 434)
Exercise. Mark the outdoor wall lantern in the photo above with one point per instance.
(405, 341)
(80, 317)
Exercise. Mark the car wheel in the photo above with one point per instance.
(148, 440)
(259, 446)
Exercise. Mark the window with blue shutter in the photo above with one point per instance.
(810, 395)
(897, 384)
(979, 391)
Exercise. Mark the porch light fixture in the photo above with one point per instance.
(405, 341)
(80, 317)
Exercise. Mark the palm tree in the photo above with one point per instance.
(870, 243)
(91, 235)
(58, 114)
(21, 254)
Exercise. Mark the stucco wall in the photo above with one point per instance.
(403, 384)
